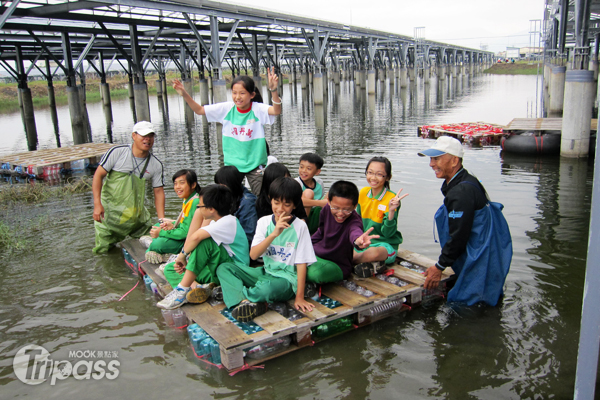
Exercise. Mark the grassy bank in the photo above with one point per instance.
(9, 101)
(518, 68)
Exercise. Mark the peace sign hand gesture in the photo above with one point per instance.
(395, 201)
(272, 78)
(364, 240)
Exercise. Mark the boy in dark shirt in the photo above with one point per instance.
(340, 231)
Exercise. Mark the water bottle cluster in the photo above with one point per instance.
(248, 327)
(286, 311)
(386, 307)
(411, 266)
(332, 327)
(328, 302)
(351, 285)
(150, 284)
(204, 345)
(392, 279)
(266, 349)
(175, 318)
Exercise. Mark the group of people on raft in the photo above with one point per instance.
(303, 234)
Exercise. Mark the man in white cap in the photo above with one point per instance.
(119, 208)
(473, 233)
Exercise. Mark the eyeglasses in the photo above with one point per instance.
(345, 212)
(378, 174)
(201, 207)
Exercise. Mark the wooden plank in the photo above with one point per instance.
(275, 323)
(541, 124)
(383, 288)
(408, 275)
(414, 258)
(216, 325)
(345, 296)
(318, 313)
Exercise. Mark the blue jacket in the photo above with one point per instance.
(246, 214)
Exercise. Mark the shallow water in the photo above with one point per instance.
(59, 296)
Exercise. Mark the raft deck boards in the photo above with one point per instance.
(541, 124)
(40, 160)
(233, 340)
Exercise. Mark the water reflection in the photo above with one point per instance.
(525, 348)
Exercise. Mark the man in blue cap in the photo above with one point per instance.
(473, 233)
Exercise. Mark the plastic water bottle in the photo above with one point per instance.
(387, 308)
(268, 348)
(168, 316)
(333, 327)
(148, 281)
(215, 352)
(180, 320)
(198, 339)
(154, 287)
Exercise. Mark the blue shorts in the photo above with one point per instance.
(388, 247)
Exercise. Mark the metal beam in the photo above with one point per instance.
(228, 41)
(199, 37)
(8, 12)
(85, 52)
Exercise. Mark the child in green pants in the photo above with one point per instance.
(284, 243)
(222, 241)
(169, 236)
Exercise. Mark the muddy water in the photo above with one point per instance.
(59, 296)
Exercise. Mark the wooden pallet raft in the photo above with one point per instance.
(475, 133)
(47, 161)
(541, 124)
(338, 310)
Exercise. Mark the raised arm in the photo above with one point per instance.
(197, 108)
(273, 79)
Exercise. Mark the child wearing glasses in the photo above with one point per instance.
(378, 206)
(340, 232)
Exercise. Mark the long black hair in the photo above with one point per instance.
(249, 85)
(231, 177)
(190, 177)
(263, 202)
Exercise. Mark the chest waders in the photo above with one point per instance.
(125, 214)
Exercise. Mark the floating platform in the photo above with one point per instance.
(337, 303)
(541, 124)
(474, 133)
(49, 162)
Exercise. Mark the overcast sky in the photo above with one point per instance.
(470, 23)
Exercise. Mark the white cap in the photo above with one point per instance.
(444, 145)
(143, 128)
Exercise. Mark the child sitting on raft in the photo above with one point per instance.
(222, 241)
(313, 189)
(263, 201)
(284, 243)
(378, 205)
(244, 202)
(340, 232)
(169, 236)
(243, 119)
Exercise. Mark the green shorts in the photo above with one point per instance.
(388, 247)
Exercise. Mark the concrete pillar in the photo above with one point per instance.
(336, 77)
(142, 105)
(210, 84)
(51, 97)
(363, 79)
(557, 91)
(257, 82)
(546, 87)
(29, 119)
(318, 88)
(403, 77)
(454, 71)
(304, 80)
(594, 67)
(165, 87)
(426, 71)
(130, 89)
(577, 115)
(441, 72)
(204, 92)
(159, 87)
(381, 74)
(371, 82)
(412, 74)
(105, 91)
(310, 78)
(219, 96)
(76, 112)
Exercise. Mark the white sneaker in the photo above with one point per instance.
(146, 241)
(175, 299)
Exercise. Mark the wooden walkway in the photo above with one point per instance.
(233, 340)
(43, 162)
(540, 124)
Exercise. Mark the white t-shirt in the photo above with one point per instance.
(228, 232)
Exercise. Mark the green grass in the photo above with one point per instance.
(40, 191)
(9, 240)
(518, 68)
